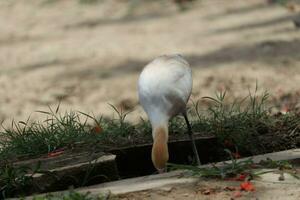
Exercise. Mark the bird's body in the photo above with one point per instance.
(164, 87)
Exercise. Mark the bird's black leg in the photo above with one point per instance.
(191, 135)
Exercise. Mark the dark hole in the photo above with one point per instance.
(136, 161)
(133, 161)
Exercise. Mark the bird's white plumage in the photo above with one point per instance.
(164, 88)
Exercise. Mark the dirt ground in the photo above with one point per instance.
(89, 55)
(219, 190)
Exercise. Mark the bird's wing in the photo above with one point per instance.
(165, 84)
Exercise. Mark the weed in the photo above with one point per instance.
(71, 195)
(66, 131)
(240, 122)
(238, 126)
(37, 138)
(235, 168)
(230, 169)
(283, 2)
(16, 180)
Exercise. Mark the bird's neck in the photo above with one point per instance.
(160, 154)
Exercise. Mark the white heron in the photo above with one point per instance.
(164, 88)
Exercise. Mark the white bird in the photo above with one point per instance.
(164, 88)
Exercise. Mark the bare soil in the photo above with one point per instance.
(88, 55)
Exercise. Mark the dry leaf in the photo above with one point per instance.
(247, 186)
(55, 153)
(97, 129)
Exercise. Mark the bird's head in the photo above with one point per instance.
(160, 154)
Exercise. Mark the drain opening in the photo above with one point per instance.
(122, 163)
(136, 161)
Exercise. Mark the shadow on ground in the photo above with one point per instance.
(263, 24)
(237, 11)
(268, 52)
(92, 23)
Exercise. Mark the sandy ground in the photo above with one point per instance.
(89, 55)
(218, 190)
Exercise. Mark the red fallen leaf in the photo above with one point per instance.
(237, 194)
(247, 186)
(236, 155)
(55, 153)
(241, 177)
(97, 129)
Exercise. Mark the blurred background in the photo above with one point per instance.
(88, 53)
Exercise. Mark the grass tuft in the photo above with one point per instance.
(241, 126)
(228, 170)
(16, 180)
(244, 126)
(55, 132)
(238, 123)
(239, 169)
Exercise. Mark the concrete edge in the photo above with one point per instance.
(170, 178)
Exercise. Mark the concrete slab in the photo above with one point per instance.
(57, 178)
(287, 155)
(268, 181)
(142, 183)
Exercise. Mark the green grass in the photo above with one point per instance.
(243, 123)
(239, 123)
(74, 129)
(71, 195)
(66, 130)
(228, 170)
(16, 180)
(235, 168)
(284, 2)
(36, 138)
